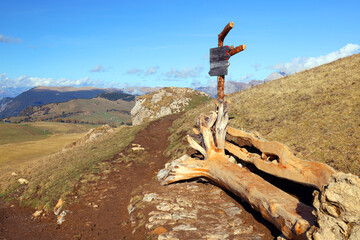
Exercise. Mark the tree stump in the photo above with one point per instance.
(292, 217)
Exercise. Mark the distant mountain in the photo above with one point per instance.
(4, 102)
(140, 90)
(97, 110)
(44, 95)
(230, 87)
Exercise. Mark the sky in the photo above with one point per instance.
(166, 43)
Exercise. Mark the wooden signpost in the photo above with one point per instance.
(219, 59)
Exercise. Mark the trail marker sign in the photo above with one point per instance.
(219, 61)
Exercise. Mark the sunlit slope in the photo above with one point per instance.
(315, 112)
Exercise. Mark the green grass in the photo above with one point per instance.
(314, 112)
(13, 133)
(55, 176)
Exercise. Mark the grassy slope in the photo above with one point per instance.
(91, 110)
(314, 112)
(12, 133)
(55, 176)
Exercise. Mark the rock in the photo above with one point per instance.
(337, 208)
(95, 206)
(61, 217)
(159, 231)
(163, 206)
(138, 148)
(184, 227)
(58, 206)
(91, 135)
(164, 102)
(243, 230)
(184, 202)
(130, 208)
(23, 181)
(13, 174)
(219, 235)
(168, 236)
(232, 211)
(37, 213)
(149, 197)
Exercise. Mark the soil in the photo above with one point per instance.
(101, 212)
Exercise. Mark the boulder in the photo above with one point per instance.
(337, 209)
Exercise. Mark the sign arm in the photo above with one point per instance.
(238, 49)
(224, 32)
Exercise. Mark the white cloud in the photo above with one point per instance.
(18, 85)
(257, 66)
(245, 77)
(98, 68)
(151, 70)
(299, 64)
(273, 76)
(174, 74)
(6, 39)
(134, 71)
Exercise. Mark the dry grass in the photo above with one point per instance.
(314, 112)
(55, 175)
(14, 155)
(21, 143)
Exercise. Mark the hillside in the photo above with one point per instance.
(314, 112)
(44, 95)
(230, 87)
(95, 111)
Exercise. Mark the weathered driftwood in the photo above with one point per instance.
(292, 217)
(278, 160)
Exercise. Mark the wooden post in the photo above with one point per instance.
(233, 51)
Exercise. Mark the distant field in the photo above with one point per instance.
(21, 143)
(13, 133)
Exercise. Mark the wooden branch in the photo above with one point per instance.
(287, 166)
(183, 168)
(196, 146)
(224, 32)
(238, 49)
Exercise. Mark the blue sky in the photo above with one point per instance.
(166, 43)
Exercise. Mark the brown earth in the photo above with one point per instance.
(101, 211)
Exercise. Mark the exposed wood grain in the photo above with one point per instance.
(286, 166)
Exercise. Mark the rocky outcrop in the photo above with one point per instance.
(91, 135)
(164, 102)
(338, 209)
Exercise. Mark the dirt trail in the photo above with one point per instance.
(103, 211)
